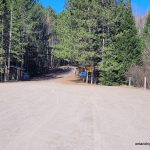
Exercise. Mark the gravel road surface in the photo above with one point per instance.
(52, 115)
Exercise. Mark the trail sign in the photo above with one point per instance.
(83, 74)
(89, 69)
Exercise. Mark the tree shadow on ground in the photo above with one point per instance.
(53, 74)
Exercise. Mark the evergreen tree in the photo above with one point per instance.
(65, 46)
(24, 37)
(146, 37)
(38, 49)
(85, 29)
(124, 50)
(1, 40)
(99, 32)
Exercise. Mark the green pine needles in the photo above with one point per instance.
(103, 31)
(26, 32)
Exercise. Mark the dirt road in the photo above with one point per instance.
(53, 115)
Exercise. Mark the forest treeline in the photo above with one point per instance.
(26, 38)
(99, 33)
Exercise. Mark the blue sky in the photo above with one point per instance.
(57, 5)
(140, 7)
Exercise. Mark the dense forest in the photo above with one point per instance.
(26, 38)
(99, 33)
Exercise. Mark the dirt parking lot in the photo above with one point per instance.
(54, 115)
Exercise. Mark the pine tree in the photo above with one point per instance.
(37, 56)
(1, 40)
(146, 37)
(125, 49)
(65, 46)
(24, 37)
(82, 30)
(14, 32)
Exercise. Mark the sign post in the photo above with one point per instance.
(90, 70)
(130, 81)
(145, 83)
(92, 78)
(87, 77)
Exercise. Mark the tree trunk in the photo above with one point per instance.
(10, 45)
(4, 54)
(52, 44)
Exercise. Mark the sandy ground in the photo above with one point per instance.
(62, 114)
